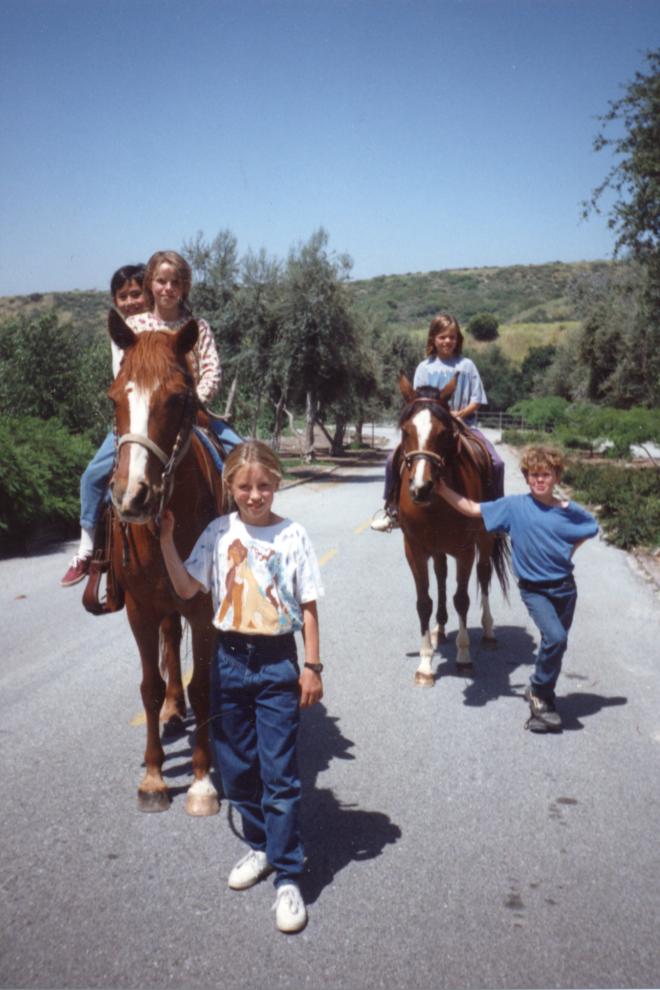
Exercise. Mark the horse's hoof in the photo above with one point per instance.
(489, 641)
(153, 801)
(424, 680)
(465, 669)
(202, 805)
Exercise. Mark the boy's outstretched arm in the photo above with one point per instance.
(184, 585)
(311, 685)
(459, 502)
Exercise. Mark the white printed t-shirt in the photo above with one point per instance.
(259, 576)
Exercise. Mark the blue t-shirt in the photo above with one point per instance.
(542, 536)
(439, 372)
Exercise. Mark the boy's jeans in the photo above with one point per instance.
(254, 727)
(94, 482)
(552, 608)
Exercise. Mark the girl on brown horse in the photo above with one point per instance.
(444, 361)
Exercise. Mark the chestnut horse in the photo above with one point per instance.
(160, 462)
(434, 443)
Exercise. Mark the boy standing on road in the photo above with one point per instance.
(545, 532)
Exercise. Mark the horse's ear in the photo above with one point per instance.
(449, 389)
(120, 332)
(407, 391)
(187, 336)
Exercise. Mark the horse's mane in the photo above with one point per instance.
(152, 359)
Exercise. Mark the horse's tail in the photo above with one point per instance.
(501, 559)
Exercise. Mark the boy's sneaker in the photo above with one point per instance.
(78, 570)
(544, 715)
(249, 870)
(289, 908)
(384, 522)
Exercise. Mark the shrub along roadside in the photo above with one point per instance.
(625, 497)
(40, 464)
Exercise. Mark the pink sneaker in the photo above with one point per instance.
(78, 570)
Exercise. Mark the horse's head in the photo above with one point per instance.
(429, 435)
(154, 400)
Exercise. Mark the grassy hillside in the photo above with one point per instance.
(532, 302)
(519, 293)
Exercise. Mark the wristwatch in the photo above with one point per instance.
(316, 667)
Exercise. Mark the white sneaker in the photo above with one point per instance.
(382, 522)
(289, 908)
(249, 870)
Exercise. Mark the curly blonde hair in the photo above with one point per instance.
(537, 456)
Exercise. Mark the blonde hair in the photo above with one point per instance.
(537, 456)
(252, 452)
(180, 265)
(443, 321)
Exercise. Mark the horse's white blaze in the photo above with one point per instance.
(462, 644)
(139, 400)
(423, 423)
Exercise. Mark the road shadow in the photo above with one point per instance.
(335, 834)
(574, 707)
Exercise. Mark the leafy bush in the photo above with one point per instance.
(483, 326)
(499, 375)
(627, 501)
(40, 464)
(547, 411)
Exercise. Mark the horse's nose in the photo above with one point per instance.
(421, 492)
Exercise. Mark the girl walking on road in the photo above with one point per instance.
(264, 579)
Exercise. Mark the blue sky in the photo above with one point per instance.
(422, 135)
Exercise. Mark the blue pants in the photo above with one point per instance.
(94, 482)
(255, 715)
(552, 609)
(223, 431)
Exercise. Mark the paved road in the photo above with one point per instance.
(447, 846)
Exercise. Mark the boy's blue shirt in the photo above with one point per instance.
(542, 536)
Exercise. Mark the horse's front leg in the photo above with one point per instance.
(484, 575)
(418, 564)
(173, 712)
(440, 568)
(202, 797)
(464, 564)
(152, 792)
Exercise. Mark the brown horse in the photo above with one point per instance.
(434, 443)
(160, 462)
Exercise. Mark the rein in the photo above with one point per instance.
(437, 461)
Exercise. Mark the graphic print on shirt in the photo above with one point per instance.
(253, 601)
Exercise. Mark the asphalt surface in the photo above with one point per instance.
(447, 847)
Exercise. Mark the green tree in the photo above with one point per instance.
(629, 370)
(483, 326)
(500, 377)
(319, 332)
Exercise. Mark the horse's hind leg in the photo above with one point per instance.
(484, 575)
(438, 631)
(173, 712)
(420, 571)
(152, 792)
(202, 797)
(462, 604)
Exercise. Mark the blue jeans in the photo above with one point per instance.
(227, 437)
(255, 715)
(94, 482)
(552, 608)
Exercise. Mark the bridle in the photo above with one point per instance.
(179, 449)
(437, 461)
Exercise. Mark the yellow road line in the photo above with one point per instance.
(361, 528)
(328, 555)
